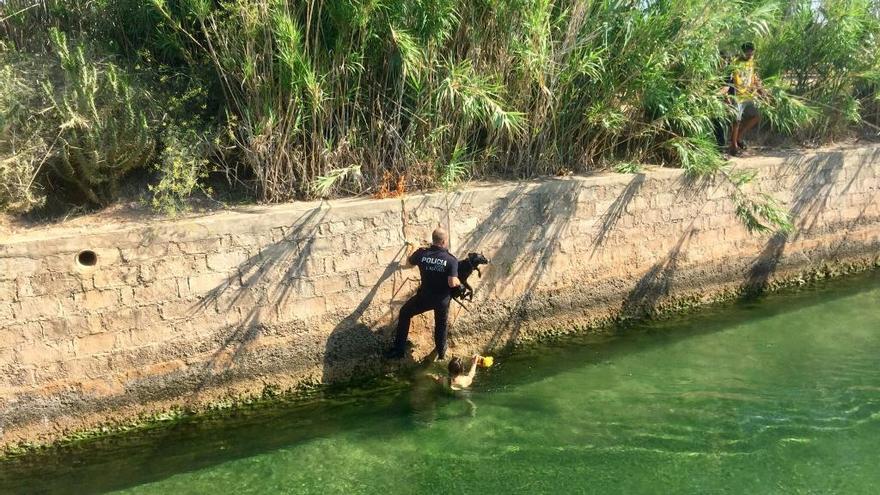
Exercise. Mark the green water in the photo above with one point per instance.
(780, 395)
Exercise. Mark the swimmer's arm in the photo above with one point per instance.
(473, 371)
(464, 381)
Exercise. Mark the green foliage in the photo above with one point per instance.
(325, 184)
(23, 150)
(698, 156)
(785, 112)
(181, 165)
(628, 168)
(307, 93)
(760, 213)
(454, 171)
(101, 122)
(824, 50)
(763, 214)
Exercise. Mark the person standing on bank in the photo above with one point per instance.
(439, 276)
(744, 88)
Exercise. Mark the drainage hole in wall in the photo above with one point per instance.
(87, 258)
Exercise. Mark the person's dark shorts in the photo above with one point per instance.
(746, 110)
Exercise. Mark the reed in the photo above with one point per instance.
(331, 97)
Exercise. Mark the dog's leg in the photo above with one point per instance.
(479, 273)
(469, 291)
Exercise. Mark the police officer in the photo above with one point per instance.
(439, 274)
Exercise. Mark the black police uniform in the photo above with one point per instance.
(436, 265)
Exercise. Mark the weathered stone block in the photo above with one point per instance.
(98, 343)
(95, 300)
(176, 266)
(43, 352)
(330, 284)
(352, 262)
(212, 283)
(12, 268)
(6, 311)
(204, 246)
(8, 291)
(16, 333)
(127, 318)
(118, 276)
(149, 252)
(30, 308)
(160, 290)
(153, 334)
(226, 261)
(302, 309)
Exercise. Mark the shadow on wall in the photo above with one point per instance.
(262, 283)
(614, 212)
(655, 284)
(353, 347)
(267, 284)
(812, 194)
(526, 225)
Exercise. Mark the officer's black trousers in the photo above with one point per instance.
(417, 305)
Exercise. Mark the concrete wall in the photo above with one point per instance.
(187, 312)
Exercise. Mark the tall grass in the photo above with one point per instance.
(324, 97)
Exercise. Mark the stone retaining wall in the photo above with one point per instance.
(188, 312)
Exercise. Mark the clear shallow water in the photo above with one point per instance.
(781, 395)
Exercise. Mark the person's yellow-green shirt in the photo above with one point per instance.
(743, 77)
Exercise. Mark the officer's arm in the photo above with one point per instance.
(412, 258)
(452, 273)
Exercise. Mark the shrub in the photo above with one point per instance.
(340, 96)
(181, 166)
(23, 150)
(102, 122)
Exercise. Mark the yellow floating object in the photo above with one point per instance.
(486, 361)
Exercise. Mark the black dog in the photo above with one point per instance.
(465, 268)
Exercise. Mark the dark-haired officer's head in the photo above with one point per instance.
(455, 367)
(748, 50)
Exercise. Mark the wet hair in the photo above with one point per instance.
(439, 236)
(748, 46)
(455, 367)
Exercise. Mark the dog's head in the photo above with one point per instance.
(477, 259)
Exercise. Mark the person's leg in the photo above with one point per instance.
(750, 118)
(718, 129)
(734, 137)
(748, 125)
(412, 307)
(441, 317)
(735, 129)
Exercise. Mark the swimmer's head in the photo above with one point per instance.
(455, 367)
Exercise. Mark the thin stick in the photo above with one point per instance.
(19, 12)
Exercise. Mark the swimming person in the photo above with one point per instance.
(458, 379)
(439, 276)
